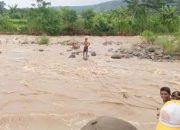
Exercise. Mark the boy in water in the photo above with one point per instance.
(165, 94)
(85, 50)
(175, 95)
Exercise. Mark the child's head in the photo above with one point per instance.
(86, 39)
(165, 93)
(175, 95)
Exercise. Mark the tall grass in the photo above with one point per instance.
(166, 44)
(149, 36)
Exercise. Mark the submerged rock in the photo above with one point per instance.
(93, 53)
(167, 57)
(151, 49)
(69, 50)
(24, 43)
(116, 56)
(110, 49)
(41, 50)
(72, 56)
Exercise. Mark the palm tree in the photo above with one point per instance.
(13, 8)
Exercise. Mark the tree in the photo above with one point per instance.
(169, 18)
(88, 18)
(2, 7)
(43, 3)
(102, 24)
(13, 11)
(13, 8)
(69, 18)
(157, 4)
(178, 6)
(139, 14)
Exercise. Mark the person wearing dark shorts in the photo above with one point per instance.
(85, 50)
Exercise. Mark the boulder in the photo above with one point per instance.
(69, 50)
(116, 56)
(93, 53)
(24, 42)
(110, 49)
(151, 49)
(167, 57)
(41, 50)
(72, 56)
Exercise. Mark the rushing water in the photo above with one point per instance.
(48, 91)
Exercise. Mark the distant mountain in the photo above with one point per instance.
(105, 6)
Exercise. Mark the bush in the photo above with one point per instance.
(166, 44)
(177, 45)
(149, 36)
(45, 21)
(44, 40)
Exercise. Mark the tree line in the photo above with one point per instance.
(158, 16)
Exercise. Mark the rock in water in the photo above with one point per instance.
(72, 56)
(0, 52)
(110, 49)
(108, 123)
(167, 57)
(69, 50)
(151, 49)
(33, 42)
(41, 50)
(116, 56)
(24, 42)
(93, 53)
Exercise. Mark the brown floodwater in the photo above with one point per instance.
(49, 91)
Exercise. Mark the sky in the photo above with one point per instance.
(27, 3)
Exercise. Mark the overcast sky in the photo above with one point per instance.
(27, 3)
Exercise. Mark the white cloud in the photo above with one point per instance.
(27, 3)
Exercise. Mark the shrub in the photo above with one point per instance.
(44, 40)
(177, 45)
(149, 36)
(166, 44)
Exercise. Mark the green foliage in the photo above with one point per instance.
(88, 15)
(168, 18)
(177, 44)
(2, 7)
(156, 16)
(167, 45)
(149, 36)
(6, 25)
(102, 24)
(46, 21)
(44, 40)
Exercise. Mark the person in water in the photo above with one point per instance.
(175, 95)
(169, 118)
(85, 50)
(165, 94)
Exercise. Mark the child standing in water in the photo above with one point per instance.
(85, 50)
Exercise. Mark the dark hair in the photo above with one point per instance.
(166, 89)
(176, 94)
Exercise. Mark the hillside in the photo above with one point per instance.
(105, 6)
